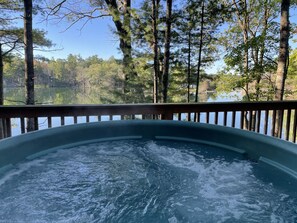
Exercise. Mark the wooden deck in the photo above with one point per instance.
(261, 117)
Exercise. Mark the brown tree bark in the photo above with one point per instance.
(1, 76)
(282, 65)
(121, 17)
(155, 8)
(167, 49)
(189, 64)
(200, 52)
(1, 93)
(29, 66)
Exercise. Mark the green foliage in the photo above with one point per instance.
(251, 41)
(14, 72)
(292, 74)
(292, 69)
(227, 83)
(256, 79)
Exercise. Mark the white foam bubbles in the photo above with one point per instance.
(136, 181)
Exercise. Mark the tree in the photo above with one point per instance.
(291, 81)
(251, 44)
(200, 49)
(283, 59)
(29, 63)
(9, 36)
(197, 39)
(155, 17)
(121, 16)
(9, 39)
(167, 49)
(121, 13)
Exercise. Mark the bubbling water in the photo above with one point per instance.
(142, 181)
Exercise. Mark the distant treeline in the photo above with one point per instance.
(93, 72)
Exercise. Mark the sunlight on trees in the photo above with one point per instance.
(167, 48)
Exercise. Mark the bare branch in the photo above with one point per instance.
(56, 8)
(11, 49)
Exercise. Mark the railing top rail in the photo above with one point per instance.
(129, 109)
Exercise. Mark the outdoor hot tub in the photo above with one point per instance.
(147, 171)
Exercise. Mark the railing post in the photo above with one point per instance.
(8, 127)
(5, 128)
(2, 129)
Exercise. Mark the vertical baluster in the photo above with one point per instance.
(110, 117)
(99, 118)
(281, 113)
(87, 118)
(216, 117)
(258, 120)
(288, 123)
(250, 123)
(35, 123)
(189, 117)
(62, 120)
(266, 122)
(179, 117)
(295, 125)
(49, 122)
(241, 119)
(8, 127)
(254, 115)
(233, 118)
(198, 117)
(225, 118)
(23, 128)
(4, 128)
(75, 119)
(273, 122)
(207, 117)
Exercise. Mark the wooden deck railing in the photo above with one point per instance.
(261, 117)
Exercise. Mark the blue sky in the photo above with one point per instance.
(95, 38)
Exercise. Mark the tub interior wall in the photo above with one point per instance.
(266, 150)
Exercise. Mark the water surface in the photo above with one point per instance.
(142, 181)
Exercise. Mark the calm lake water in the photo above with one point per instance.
(56, 96)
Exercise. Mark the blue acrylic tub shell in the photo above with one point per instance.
(263, 149)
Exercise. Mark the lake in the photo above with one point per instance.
(57, 96)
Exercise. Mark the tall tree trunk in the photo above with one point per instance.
(262, 49)
(29, 66)
(2, 126)
(282, 65)
(1, 75)
(126, 43)
(122, 23)
(200, 52)
(244, 24)
(155, 8)
(189, 64)
(167, 49)
(246, 49)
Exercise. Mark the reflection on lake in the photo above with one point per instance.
(57, 96)
(16, 96)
